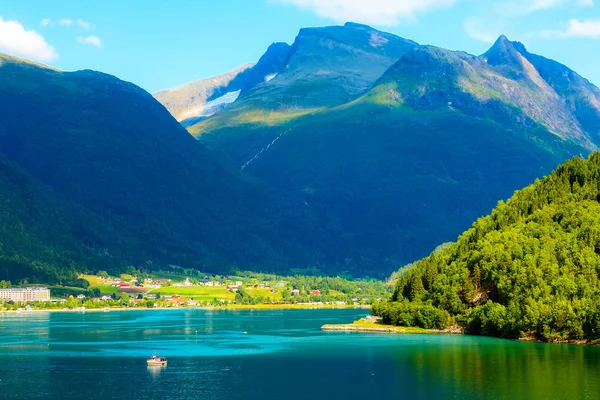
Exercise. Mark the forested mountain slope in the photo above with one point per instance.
(107, 146)
(529, 269)
(43, 239)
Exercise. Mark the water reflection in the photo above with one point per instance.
(156, 370)
(284, 355)
(497, 368)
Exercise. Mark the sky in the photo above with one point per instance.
(164, 44)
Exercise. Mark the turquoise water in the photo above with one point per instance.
(283, 355)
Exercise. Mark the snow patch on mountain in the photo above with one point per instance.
(270, 76)
(213, 106)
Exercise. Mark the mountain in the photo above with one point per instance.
(328, 66)
(581, 97)
(190, 100)
(530, 269)
(205, 97)
(109, 147)
(351, 151)
(406, 152)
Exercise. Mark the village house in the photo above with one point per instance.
(295, 292)
(123, 284)
(239, 283)
(315, 292)
(177, 300)
(232, 288)
(81, 296)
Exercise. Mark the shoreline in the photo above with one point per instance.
(255, 307)
(362, 326)
(375, 327)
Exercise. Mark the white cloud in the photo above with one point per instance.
(67, 22)
(478, 30)
(537, 5)
(15, 40)
(83, 24)
(524, 7)
(575, 28)
(91, 40)
(378, 12)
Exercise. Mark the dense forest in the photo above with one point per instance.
(530, 269)
(42, 239)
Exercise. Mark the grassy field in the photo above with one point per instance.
(208, 293)
(96, 282)
(202, 293)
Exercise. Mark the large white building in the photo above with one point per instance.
(24, 295)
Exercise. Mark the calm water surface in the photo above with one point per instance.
(283, 355)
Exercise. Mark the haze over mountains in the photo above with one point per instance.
(351, 150)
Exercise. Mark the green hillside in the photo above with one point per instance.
(108, 147)
(44, 240)
(530, 269)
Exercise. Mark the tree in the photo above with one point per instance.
(124, 298)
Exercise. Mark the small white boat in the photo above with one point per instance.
(157, 361)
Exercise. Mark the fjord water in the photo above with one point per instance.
(279, 354)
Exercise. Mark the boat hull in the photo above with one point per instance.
(157, 363)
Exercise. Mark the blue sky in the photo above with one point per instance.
(163, 44)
